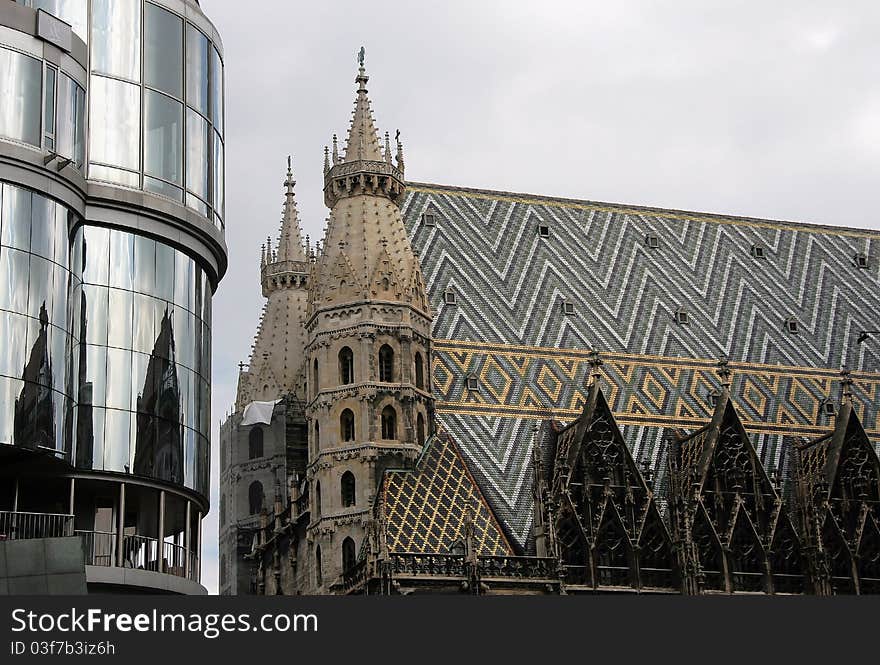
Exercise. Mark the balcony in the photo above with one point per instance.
(16, 525)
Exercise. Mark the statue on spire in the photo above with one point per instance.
(361, 54)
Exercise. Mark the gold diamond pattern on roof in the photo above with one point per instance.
(426, 509)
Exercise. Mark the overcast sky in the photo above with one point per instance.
(765, 109)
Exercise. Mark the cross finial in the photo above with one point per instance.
(845, 385)
(595, 363)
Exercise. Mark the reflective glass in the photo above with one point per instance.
(117, 433)
(139, 364)
(218, 175)
(42, 226)
(14, 347)
(115, 123)
(116, 38)
(191, 456)
(165, 189)
(62, 244)
(116, 176)
(119, 333)
(163, 50)
(49, 105)
(184, 268)
(96, 255)
(118, 379)
(164, 286)
(216, 90)
(20, 96)
(197, 154)
(95, 375)
(144, 323)
(17, 203)
(10, 389)
(145, 263)
(14, 267)
(196, 69)
(163, 137)
(184, 337)
(95, 314)
(122, 261)
(61, 280)
(40, 288)
(70, 119)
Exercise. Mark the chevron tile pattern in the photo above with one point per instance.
(509, 327)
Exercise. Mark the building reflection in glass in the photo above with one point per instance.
(158, 445)
(34, 419)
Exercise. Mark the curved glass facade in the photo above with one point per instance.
(34, 279)
(157, 105)
(141, 359)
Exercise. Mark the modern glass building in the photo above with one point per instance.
(111, 246)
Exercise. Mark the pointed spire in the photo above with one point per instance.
(290, 245)
(387, 148)
(335, 150)
(363, 139)
(326, 159)
(399, 151)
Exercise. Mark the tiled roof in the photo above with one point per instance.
(508, 324)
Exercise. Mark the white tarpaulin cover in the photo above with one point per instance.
(258, 412)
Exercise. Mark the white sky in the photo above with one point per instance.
(765, 109)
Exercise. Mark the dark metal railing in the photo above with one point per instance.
(17, 525)
(139, 552)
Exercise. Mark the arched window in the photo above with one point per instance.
(255, 497)
(346, 366)
(420, 429)
(348, 487)
(317, 500)
(386, 364)
(389, 423)
(420, 372)
(315, 381)
(255, 443)
(346, 425)
(349, 554)
(319, 573)
(317, 435)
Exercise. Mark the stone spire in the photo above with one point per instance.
(363, 138)
(276, 366)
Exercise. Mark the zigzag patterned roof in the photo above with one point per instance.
(511, 284)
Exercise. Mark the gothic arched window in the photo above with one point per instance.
(255, 443)
(255, 497)
(386, 364)
(389, 423)
(348, 489)
(349, 554)
(346, 366)
(420, 372)
(319, 573)
(317, 435)
(420, 429)
(346, 425)
(317, 385)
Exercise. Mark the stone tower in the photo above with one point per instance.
(369, 349)
(263, 447)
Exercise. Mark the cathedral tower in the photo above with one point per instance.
(369, 331)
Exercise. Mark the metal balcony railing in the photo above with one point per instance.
(139, 552)
(15, 525)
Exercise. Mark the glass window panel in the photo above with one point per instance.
(184, 337)
(163, 188)
(96, 255)
(191, 456)
(119, 334)
(204, 407)
(40, 290)
(195, 203)
(10, 389)
(58, 314)
(144, 323)
(183, 273)
(115, 123)
(122, 259)
(94, 387)
(117, 432)
(163, 50)
(17, 203)
(163, 137)
(164, 287)
(79, 138)
(196, 154)
(216, 90)
(13, 350)
(95, 430)
(186, 381)
(42, 226)
(95, 324)
(14, 268)
(57, 358)
(116, 176)
(62, 244)
(140, 362)
(145, 264)
(118, 379)
(66, 143)
(196, 69)
(20, 96)
(218, 175)
(49, 104)
(116, 38)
